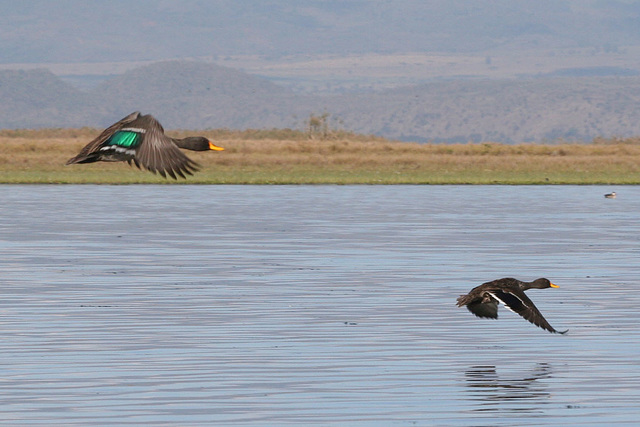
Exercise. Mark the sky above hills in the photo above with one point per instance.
(326, 46)
(41, 31)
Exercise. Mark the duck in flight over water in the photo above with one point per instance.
(483, 300)
(140, 139)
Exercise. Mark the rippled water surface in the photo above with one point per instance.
(315, 305)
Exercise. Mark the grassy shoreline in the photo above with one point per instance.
(290, 157)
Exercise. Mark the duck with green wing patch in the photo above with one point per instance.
(140, 139)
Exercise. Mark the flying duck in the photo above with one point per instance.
(140, 139)
(483, 300)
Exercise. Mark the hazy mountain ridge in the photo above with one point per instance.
(504, 111)
(192, 95)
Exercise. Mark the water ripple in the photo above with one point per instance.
(302, 305)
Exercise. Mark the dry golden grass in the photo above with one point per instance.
(289, 157)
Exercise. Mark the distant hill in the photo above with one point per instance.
(37, 98)
(192, 95)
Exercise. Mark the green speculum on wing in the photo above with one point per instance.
(125, 139)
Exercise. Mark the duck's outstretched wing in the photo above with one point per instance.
(158, 153)
(519, 303)
(88, 154)
(481, 305)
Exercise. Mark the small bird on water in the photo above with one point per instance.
(140, 139)
(611, 195)
(483, 300)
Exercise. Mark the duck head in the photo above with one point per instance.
(543, 283)
(197, 143)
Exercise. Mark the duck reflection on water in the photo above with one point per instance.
(509, 392)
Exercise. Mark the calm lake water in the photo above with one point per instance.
(315, 305)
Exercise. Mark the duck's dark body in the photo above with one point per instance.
(483, 300)
(140, 139)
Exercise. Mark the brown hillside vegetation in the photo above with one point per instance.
(291, 157)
